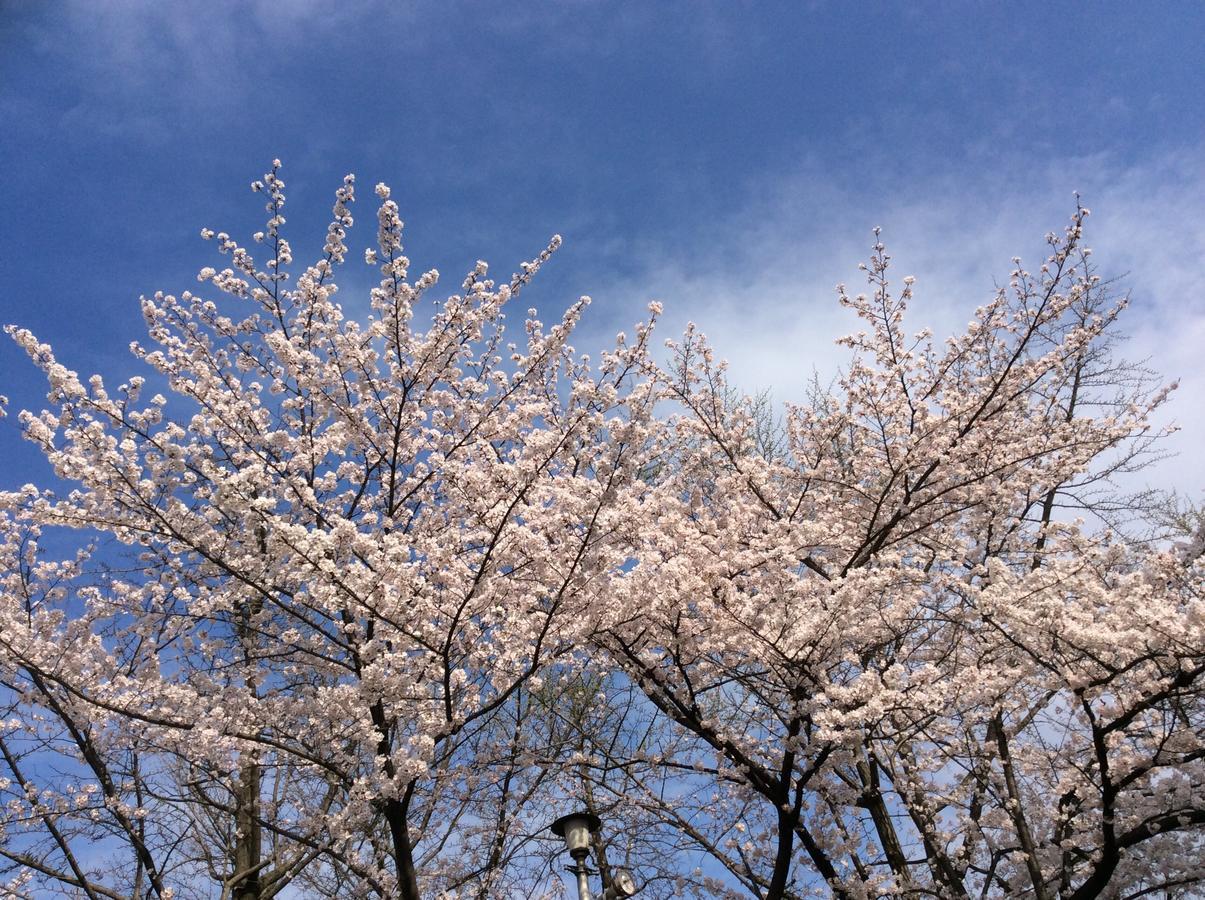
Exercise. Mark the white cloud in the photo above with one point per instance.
(763, 290)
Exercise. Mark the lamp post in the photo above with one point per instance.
(576, 829)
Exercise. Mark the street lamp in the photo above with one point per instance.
(576, 829)
(622, 885)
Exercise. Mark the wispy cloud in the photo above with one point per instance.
(762, 288)
(145, 69)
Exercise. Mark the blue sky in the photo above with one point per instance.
(728, 159)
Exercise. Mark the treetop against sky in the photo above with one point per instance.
(729, 160)
(334, 607)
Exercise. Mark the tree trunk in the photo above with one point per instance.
(248, 842)
(403, 849)
(248, 839)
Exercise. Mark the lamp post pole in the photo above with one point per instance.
(580, 869)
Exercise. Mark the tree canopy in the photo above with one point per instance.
(357, 606)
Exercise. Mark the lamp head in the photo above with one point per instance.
(622, 885)
(576, 829)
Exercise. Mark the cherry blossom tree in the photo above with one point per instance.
(358, 595)
(354, 544)
(900, 671)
